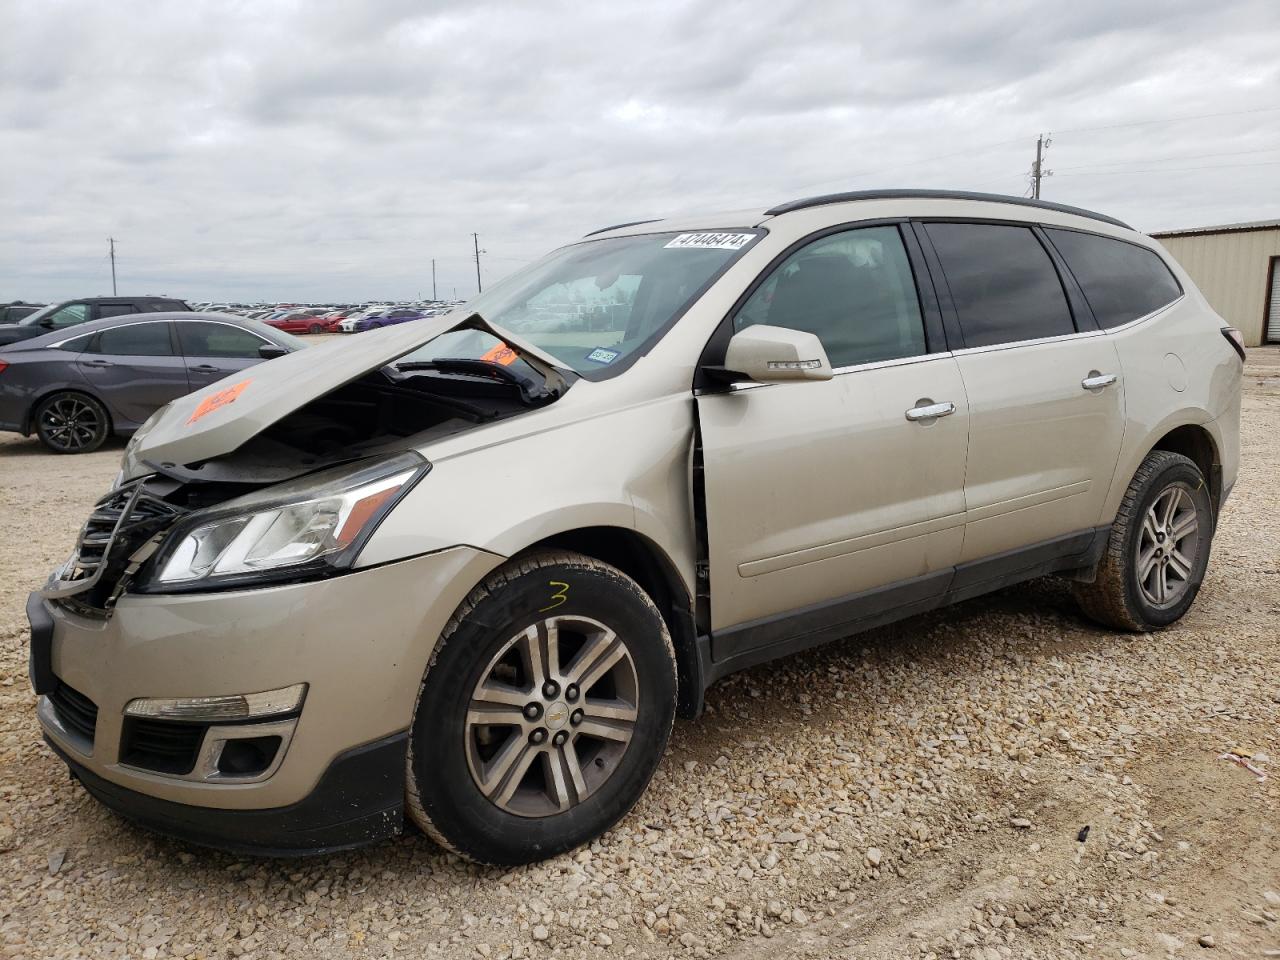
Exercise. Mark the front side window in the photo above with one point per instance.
(1003, 283)
(69, 315)
(854, 290)
(596, 304)
(1122, 281)
(115, 309)
(218, 340)
(135, 340)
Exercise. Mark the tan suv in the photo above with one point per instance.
(468, 569)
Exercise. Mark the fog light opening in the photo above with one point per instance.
(248, 756)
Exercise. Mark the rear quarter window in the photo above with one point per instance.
(1122, 281)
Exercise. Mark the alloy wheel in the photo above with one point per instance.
(1168, 546)
(551, 716)
(70, 423)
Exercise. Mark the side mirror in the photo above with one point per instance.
(47, 323)
(776, 355)
(269, 351)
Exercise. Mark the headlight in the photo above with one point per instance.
(312, 526)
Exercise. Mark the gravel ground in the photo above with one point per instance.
(918, 791)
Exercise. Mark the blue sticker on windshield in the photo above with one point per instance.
(601, 355)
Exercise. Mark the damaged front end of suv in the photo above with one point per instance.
(198, 505)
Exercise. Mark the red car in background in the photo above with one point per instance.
(299, 321)
(332, 319)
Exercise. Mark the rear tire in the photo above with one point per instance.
(71, 422)
(316, 328)
(1158, 549)
(543, 713)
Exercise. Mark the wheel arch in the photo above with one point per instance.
(28, 420)
(645, 562)
(1197, 444)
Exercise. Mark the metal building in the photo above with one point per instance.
(1237, 267)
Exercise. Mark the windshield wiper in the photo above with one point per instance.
(531, 393)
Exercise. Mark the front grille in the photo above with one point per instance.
(120, 523)
(165, 746)
(76, 712)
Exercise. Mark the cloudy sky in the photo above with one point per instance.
(327, 150)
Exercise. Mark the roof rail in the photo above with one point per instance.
(619, 226)
(939, 195)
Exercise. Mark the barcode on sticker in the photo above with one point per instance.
(711, 241)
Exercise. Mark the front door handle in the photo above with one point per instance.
(927, 410)
(97, 363)
(1097, 381)
(205, 368)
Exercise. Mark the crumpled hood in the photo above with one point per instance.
(221, 417)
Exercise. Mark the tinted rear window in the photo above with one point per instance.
(1003, 283)
(1122, 281)
(135, 340)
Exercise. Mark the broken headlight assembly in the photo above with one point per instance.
(307, 528)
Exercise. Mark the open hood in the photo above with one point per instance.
(220, 418)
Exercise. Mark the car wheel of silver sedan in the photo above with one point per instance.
(544, 712)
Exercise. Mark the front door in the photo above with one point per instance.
(826, 504)
(214, 350)
(1046, 400)
(134, 370)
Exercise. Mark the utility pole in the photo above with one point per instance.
(475, 239)
(433, 279)
(112, 242)
(1038, 172)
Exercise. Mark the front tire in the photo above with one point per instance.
(70, 422)
(1158, 549)
(544, 711)
(315, 328)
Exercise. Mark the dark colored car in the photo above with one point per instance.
(386, 318)
(74, 388)
(71, 313)
(13, 312)
(299, 321)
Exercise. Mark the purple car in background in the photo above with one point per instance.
(386, 318)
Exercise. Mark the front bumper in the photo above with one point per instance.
(360, 641)
(359, 799)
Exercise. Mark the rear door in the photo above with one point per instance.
(213, 350)
(134, 369)
(1046, 400)
(826, 505)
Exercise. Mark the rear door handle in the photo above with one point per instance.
(205, 368)
(931, 411)
(1096, 380)
(97, 363)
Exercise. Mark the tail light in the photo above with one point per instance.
(1234, 336)
(3, 366)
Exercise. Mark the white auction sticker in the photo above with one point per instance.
(711, 241)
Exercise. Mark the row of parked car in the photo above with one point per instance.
(354, 318)
(76, 372)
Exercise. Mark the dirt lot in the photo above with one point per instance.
(918, 791)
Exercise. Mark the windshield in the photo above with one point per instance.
(31, 319)
(597, 305)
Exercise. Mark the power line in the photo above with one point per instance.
(914, 163)
(1199, 116)
(1218, 166)
(1186, 156)
(980, 148)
